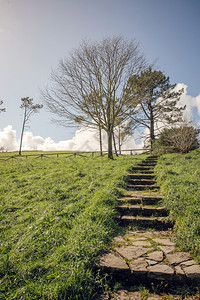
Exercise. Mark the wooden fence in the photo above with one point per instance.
(5, 156)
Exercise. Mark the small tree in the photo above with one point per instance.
(122, 131)
(29, 109)
(158, 100)
(2, 109)
(179, 139)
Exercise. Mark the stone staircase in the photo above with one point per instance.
(138, 206)
(145, 252)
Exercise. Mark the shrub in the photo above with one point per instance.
(178, 139)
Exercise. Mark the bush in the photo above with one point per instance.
(178, 139)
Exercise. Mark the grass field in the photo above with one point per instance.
(56, 215)
(179, 177)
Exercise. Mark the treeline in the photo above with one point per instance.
(110, 86)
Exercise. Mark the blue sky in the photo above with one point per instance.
(35, 34)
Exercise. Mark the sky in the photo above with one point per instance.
(35, 34)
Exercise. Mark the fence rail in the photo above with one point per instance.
(4, 156)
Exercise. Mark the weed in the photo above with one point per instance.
(144, 292)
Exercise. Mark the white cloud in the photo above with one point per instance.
(192, 110)
(31, 142)
(87, 139)
(8, 139)
(191, 104)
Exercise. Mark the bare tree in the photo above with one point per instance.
(122, 132)
(158, 100)
(2, 109)
(89, 85)
(29, 109)
(182, 138)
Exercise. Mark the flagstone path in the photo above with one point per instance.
(147, 255)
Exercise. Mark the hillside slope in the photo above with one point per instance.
(56, 216)
(179, 178)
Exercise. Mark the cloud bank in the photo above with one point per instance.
(192, 111)
(86, 139)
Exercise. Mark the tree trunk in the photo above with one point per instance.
(110, 134)
(22, 133)
(152, 134)
(119, 139)
(100, 141)
(115, 145)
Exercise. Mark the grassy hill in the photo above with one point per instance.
(56, 215)
(179, 177)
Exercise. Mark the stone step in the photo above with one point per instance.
(141, 176)
(147, 257)
(140, 200)
(151, 161)
(141, 181)
(141, 171)
(151, 158)
(141, 187)
(145, 164)
(160, 223)
(138, 210)
(143, 194)
(146, 170)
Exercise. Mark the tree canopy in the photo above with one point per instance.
(88, 86)
(29, 109)
(2, 109)
(157, 100)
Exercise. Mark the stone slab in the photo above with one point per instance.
(131, 252)
(125, 295)
(160, 271)
(192, 272)
(156, 256)
(141, 243)
(178, 257)
(164, 242)
(179, 272)
(141, 233)
(119, 239)
(188, 263)
(113, 261)
(167, 249)
(138, 266)
(151, 262)
(135, 239)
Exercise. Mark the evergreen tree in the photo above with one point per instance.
(157, 100)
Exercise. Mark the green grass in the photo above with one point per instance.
(56, 216)
(179, 177)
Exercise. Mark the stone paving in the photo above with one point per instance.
(148, 255)
(125, 295)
